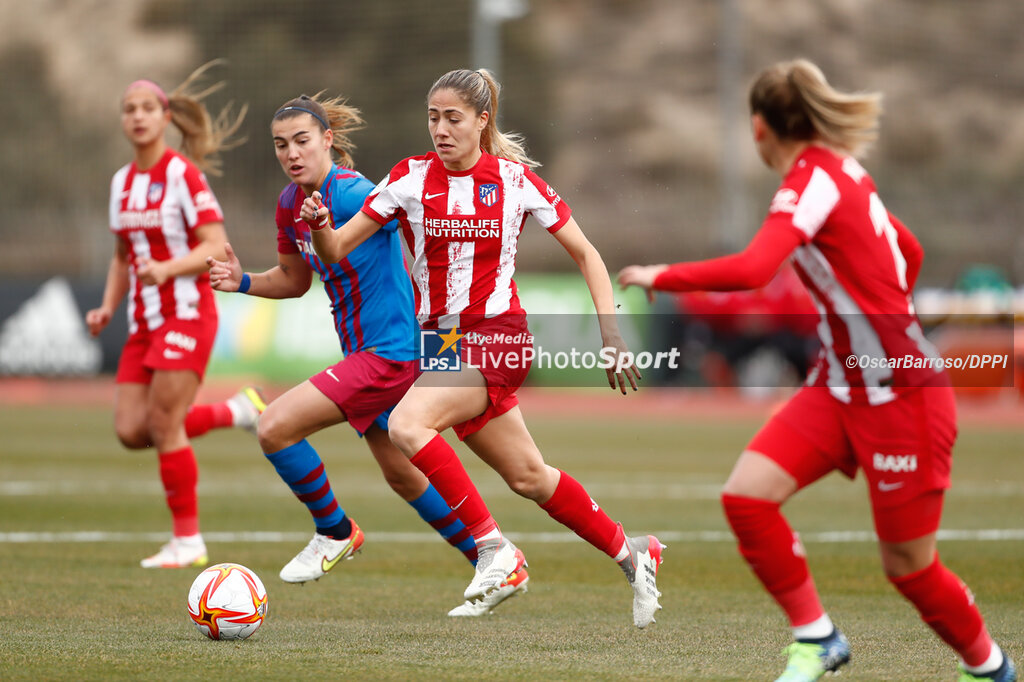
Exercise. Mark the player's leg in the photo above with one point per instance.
(170, 393)
(411, 485)
(130, 415)
(433, 404)
(782, 458)
(506, 445)
(242, 410)
(430, 406)
(283, 428)
(907, 480)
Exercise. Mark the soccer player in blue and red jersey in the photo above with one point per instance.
(896, 423)
(372, 303)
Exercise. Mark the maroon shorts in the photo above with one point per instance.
(497, 348)
(904, 448)
(177, 344)
(366, 386)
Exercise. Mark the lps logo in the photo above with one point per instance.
(440, 351)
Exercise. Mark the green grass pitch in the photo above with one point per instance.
(83, 609)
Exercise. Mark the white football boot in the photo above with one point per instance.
(180, 552)
(641, 569)
(513, 585)
(321, 555)
(246, 407)
(495, 564)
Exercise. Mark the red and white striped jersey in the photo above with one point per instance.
(850, 261)
(156, 213)
(462, 228)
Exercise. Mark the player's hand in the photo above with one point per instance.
(313, 211)
(152, 272)
(225, 275)
(97, 319)
(641, 276)
(623, 370)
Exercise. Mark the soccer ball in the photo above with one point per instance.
(227, 601)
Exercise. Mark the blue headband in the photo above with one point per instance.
(308, 111)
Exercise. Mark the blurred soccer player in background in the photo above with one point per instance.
(897, 424)
(167, 222)
(462, 209)
(372, 303)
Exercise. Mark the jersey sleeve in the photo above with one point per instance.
(200, 204)
(543, 202)
(385, 200)
(804, 201)
(285, 219)
(352, 200)
(750, 269)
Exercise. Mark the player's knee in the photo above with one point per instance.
(530, 482)
(403, 430)
(133, 437)
(270, 432)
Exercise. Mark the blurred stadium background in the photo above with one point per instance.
(636, 109)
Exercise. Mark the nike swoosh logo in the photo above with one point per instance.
(327, 564)
(460, 503)
(888, 487)
(330, 373)
(431, 196)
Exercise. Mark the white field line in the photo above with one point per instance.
(684, 490)
(708, 536)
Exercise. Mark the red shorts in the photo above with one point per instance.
(904, 448)
(366, 386)
(177, 344)
(496, 348)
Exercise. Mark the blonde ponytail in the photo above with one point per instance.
(481, 91)
(797, 102)
(203, 137)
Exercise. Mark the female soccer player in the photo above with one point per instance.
(859, 263)
(371, 299)
(167, 223)
(462, 208)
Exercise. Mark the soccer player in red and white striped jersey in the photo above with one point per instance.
(859, 408)
(461, 209)
(167, 221)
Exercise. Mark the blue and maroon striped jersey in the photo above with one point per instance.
(370, 292)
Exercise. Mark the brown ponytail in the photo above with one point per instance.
(203, 137)
(797, 103)
(332, 113)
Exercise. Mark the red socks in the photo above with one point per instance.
(179, 474)
(439, 463)
(202, 418)
(776, 556)
(947, 606)
(572, 507)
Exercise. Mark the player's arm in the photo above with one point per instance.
(332, 245)
(592, 267)
(290, 278)
(911, 249)
(750, 269)
(113, 291)
(211, 240)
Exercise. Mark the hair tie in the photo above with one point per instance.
(152, 87)
(308, 111)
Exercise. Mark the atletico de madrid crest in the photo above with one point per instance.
(156, 190)
(488, 194)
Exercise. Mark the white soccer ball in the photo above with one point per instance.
(227, 601)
